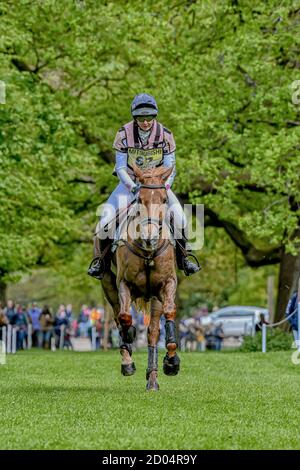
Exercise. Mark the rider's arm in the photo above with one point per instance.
(121, 170)
(169, 155)
(170, 161)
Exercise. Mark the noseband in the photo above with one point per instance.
(148, 220)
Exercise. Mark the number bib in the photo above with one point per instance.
(144, 158)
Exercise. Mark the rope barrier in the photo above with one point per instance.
(272, 325)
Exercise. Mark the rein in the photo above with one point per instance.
(135, 246)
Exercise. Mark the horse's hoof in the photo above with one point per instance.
(171, 365)
(152, 386)
(128, 369)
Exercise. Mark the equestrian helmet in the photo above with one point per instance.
(144, 105)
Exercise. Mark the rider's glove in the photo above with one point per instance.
(135, 189)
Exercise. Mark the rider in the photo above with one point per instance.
(147, 144)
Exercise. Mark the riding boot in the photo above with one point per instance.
(182, 254)
(102, 258)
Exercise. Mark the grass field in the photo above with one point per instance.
(69, 400)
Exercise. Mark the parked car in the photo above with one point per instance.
(236, 320)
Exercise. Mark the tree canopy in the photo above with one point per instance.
(222, 73)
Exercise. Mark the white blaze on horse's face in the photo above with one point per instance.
(150, 221)
(149, 227)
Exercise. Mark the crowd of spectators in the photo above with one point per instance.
(48, 329)
(196, 335)
(43, 325)
(44, 329)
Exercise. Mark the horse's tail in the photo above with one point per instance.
(143, 306)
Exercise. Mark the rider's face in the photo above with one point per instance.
(145, 125)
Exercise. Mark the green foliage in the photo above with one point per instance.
(277, 340)
(225, 278)
(63, 283)
(222, 75)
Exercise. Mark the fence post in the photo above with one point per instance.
(270, 290)
(4, 336)
(106, 326)
(3, 351)
(29, 336)
(253, 325)
(8, 339)
(94, 338)
(53, 347)
(62, 337)
(14, 341)
(264, 338)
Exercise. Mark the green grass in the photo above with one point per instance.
(69, 400)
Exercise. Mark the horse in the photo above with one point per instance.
(145, 273)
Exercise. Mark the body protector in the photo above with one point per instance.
(159, 150)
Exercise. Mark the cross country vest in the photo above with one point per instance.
(147, 156)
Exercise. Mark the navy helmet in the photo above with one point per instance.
(144, 105)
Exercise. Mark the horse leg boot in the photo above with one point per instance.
(153, 337)
(126, 330)
(151, 372)
(102, 258)
(171, 360)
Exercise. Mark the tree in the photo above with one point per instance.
(222, 74)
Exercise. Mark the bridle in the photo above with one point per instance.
(135, 246)
(150, 220)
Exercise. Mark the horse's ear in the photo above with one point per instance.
(162, 172)
(167, 173)
(138, 173)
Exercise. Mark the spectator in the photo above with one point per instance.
(291, 309)
(84, 321)
(34, 315)
(218, 332)
(46, 327)
(95, 321)
(10, 312)
(210, 337)
(21, 322)
(69, 311)
(61, 320)
(261, 322)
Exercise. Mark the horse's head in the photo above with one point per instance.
(152, 199)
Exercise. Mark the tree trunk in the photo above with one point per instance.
(2, 293)
(288, 281)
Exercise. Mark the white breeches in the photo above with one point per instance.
(121, 197)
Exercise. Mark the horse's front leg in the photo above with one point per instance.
(126, 329)
(153, 337)
(171, 361)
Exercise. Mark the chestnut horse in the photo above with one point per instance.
(145, 272)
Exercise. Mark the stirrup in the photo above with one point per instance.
(98, 272)
(196, 267)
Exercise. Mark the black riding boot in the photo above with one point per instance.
(182, 255)
(102, 257)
